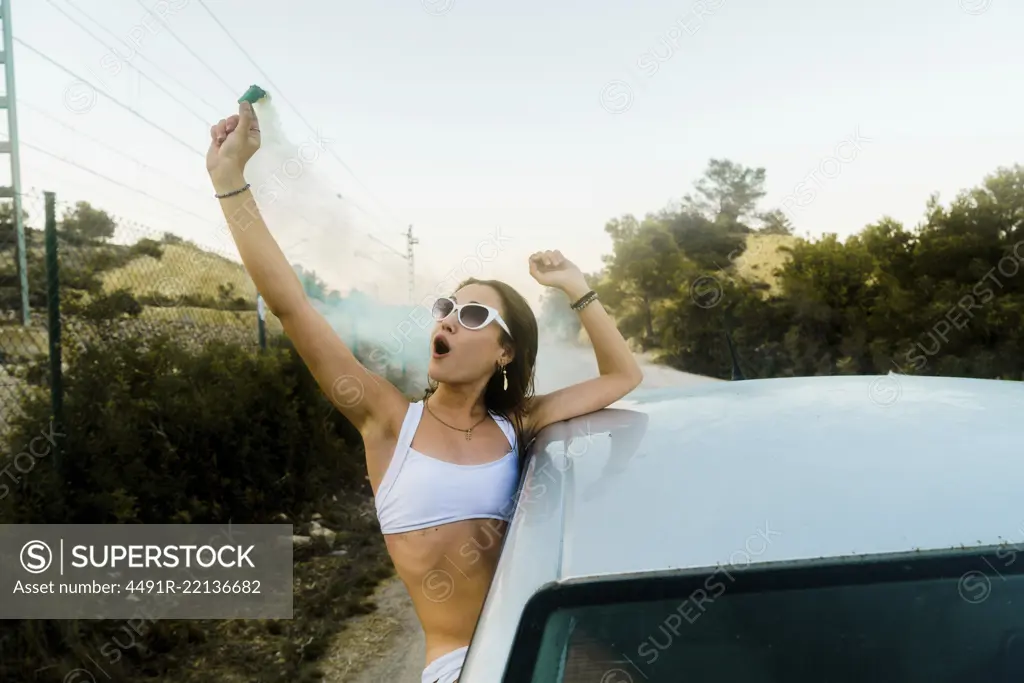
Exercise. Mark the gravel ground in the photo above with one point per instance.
(385, 645)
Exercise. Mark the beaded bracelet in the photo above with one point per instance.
(584, 301)
(233, 192)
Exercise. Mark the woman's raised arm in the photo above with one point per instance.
(619, 373)
(371, 403)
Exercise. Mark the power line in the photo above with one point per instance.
(400, 254)
(277, 90)
(113, 99)
(299, 211)
(375, 220)
(116, 182)
(99, 40)
(140, 116)
(143, 57)
(99, 142)
(180, 41)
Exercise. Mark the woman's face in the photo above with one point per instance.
(459, 355)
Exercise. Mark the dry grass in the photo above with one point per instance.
(186, 270)
(762, 258)
(183, 269)
(25, 342)
(385, 639)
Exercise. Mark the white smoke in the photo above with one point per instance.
(312, 224)
(319, 230)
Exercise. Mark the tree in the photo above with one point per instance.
(86, 223)
(775, 222)
(728, 192)
(712, 246)
(946, 297)
(313, 285)
(646, 265)
(828, 284)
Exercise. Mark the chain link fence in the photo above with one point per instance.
(114, 279)
(21, 345)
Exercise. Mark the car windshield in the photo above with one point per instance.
(952, 619)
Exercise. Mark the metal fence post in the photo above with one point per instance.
(261, 320)
(53, 317)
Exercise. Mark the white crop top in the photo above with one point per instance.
(419, 491)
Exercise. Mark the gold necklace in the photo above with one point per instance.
(467, 432)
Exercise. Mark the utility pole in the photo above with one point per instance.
(261, 320)
(409, 242)
(408, 256)
(8, 101)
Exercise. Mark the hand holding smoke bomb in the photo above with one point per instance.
(233, 141)
(253, 95)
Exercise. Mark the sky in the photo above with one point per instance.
(541, 121)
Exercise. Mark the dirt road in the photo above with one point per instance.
(387, 645)
(559, 366)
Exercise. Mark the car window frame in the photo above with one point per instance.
(954, 563)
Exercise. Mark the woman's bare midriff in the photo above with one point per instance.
(447, 570)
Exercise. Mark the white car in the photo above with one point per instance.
(843, 529)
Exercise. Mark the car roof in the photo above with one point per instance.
(756, 471)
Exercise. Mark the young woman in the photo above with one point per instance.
(444, 469)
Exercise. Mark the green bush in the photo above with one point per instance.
(237, 303)
(159, 434)
(112, 306)
(154, 434)
(146, 247)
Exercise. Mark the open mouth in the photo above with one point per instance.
(441, 347)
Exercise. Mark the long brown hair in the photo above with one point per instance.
(513, 402)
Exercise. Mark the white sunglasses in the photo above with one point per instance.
(472, 316)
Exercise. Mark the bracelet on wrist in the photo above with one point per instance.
(584, 301)
(232, 193)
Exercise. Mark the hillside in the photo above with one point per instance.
(182, 269)
(762, 257)
(178, 284)
(186, 285)
(191, 293)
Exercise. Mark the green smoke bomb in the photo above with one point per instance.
(253, 95)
